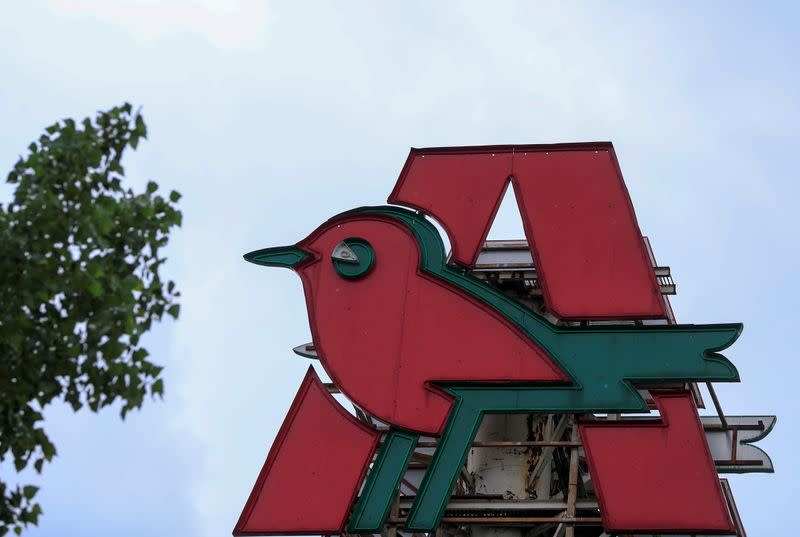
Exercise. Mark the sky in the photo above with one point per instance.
(271, 117)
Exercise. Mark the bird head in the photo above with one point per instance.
(391, 322)
(349, 257)
(347, 248)
(357, 269)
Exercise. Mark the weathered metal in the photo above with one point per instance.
(732, 446)
(506, 261)
(503, 469)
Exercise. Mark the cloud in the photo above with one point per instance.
(224, 24)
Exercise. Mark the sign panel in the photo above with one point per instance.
(297, 474)
(429, 349)
(626, 458)
(732, 446)
(575, 209)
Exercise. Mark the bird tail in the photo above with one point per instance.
(683, 353)
(687, 353)
(712, 339)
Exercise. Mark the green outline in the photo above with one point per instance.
(366, 259)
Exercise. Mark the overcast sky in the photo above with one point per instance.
(271, 117)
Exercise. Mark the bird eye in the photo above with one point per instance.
(353, 258)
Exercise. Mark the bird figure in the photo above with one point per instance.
(428, 349)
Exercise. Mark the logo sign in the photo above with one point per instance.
(412, 338)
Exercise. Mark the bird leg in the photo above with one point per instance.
(439, 480)
(382, 482)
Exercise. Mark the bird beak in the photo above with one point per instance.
(282, 256)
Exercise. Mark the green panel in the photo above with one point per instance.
(440, 479)
(381, 486)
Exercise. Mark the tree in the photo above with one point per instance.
(79, 286)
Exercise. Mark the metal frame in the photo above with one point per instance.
(551, 516)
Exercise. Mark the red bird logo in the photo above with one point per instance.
(415, 340)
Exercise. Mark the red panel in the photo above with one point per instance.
(657, 477)
(303, 489)
(576, 211)
(586, 242)
(462, 191)
(387, 336)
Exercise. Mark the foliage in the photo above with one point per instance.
(79, 286)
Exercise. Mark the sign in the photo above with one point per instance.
(418, 342)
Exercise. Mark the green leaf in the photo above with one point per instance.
(49, 450)
(174, 310)
(81, 281)
(141, 128)
(95, 288)
(29, 491)
(158, 387)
